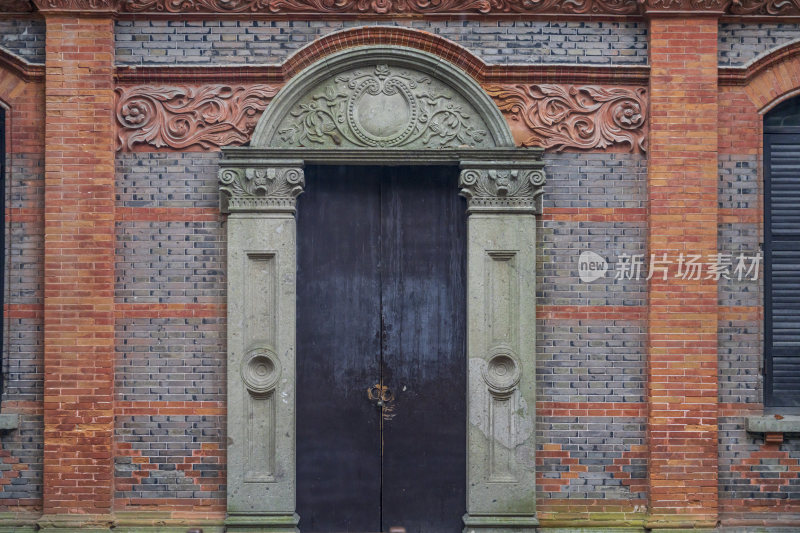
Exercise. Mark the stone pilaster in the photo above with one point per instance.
(261, 344)
(502, 199)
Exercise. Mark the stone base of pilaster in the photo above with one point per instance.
(500, 523)
(262, 523)
(68, 523)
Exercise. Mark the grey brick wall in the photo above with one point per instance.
(170, 359)
(748, 468)
(740, 43)
(590, 181)
(170, 462)
(170, 262)
(595, 361)
(745, 481)
(22, 449)
(140, 42)
(181, 358)
(740, 349)
(167, 180)
(23, 37)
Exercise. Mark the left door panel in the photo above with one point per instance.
(338, 350)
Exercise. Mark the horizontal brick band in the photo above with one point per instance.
(596, 214)
(592, 409)
(168, 214)
(176, 408)
(591, 312)
(169, 310)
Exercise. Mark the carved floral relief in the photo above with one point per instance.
(179, 117)
(383, 107)
(684, 5)
(578, 117)
(765, 7)
(399, 7)
(76, 5)
(380, 7)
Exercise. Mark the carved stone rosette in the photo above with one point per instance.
(269, 189)
(491, 187)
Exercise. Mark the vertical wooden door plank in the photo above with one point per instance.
(424, 361)
(338, 344)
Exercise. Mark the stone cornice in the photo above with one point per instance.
(263, 157)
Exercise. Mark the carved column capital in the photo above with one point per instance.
(492, 187)
(264, 189)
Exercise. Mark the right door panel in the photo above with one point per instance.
(423, 240)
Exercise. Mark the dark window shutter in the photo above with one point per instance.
(782, 263)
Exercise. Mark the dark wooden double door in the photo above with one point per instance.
(381, 384)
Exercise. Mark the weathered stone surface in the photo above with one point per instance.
(261, 364)
(773, 424)
(501, 343)
(382, 97)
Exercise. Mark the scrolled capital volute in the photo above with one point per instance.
(269, 188)
(501, 188)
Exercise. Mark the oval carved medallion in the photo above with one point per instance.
(387, 107)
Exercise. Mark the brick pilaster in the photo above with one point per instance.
(79, 265)
(682, 346)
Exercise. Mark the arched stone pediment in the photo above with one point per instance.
(382, 97)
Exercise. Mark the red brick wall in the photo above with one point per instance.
(682, 347)
(79, 267)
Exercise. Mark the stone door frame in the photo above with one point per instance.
(325, 116)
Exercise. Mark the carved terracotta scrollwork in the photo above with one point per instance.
(15, 6)
(765, 7)
(94, 6)
(684, 5)
(179, 117)
(382, 7)
(582, 117)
